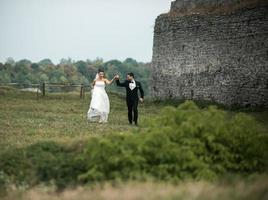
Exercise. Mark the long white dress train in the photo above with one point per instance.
(100, 105)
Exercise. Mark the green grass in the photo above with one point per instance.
(26, 119)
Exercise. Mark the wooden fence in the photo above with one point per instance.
(41, 87)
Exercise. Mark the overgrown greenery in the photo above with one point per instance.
(70, 72)
(184, 142)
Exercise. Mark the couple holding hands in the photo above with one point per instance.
(100, 105)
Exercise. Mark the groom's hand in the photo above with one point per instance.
(141, 100)
(117, 77)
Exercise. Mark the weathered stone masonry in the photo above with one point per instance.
(216, 57)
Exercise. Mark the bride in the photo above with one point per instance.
(100, 105)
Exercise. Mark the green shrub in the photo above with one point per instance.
(211, 137)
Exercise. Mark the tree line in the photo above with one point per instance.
(69, 71)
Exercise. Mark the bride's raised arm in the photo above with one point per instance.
(109, 81)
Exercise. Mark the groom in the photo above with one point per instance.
(132, 97)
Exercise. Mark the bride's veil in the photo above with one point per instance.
(97, 76)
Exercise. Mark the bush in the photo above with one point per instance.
(182, 143)
(210, 140)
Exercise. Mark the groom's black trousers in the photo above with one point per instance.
(132, 105)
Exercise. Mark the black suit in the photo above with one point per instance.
(132, 99)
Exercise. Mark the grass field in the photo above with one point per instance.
(24, 119)
(61, 117)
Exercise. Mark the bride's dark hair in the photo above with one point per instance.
(100, 70)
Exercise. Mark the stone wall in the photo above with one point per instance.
(216, 57)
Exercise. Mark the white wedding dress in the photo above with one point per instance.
(100, 105)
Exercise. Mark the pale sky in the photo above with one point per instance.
(80, 29)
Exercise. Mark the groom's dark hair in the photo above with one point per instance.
(131, 74)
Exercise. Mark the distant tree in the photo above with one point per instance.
(44, 78)
(35, 66)
(82, 67)
(113, 62)
(10, 61)
(88, 61)
(5, 77)
(45, 62)
(70, 71)
(30, 78)
(56, 72)
(24, 62)
(84, 80)
(54, 80)
(21, 67)
(131, 61)
(92, 70)
(7, 67)
(75, 80)
(98, 62)
(21, 77)
(1, 66)
(63, 79)
(65, 61)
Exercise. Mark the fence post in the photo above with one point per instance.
(43, 89)
(81, 91)
(37, 90)
(84, 91)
